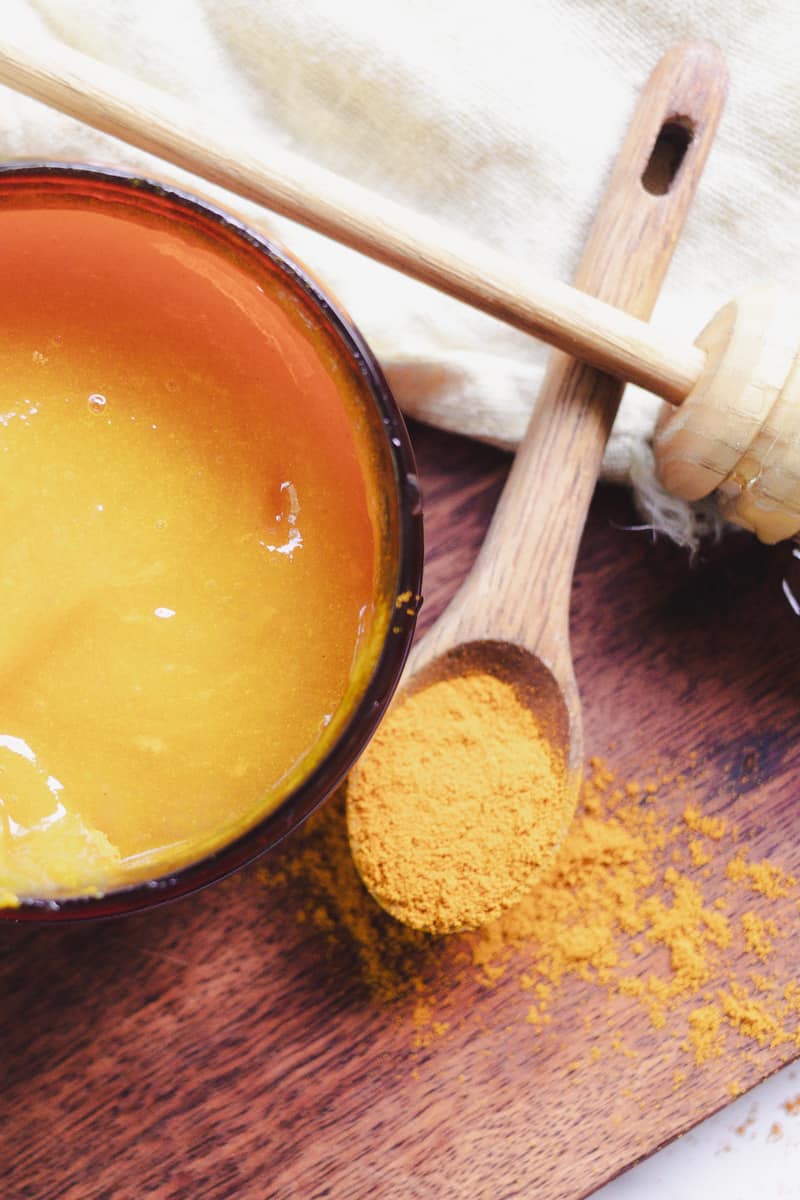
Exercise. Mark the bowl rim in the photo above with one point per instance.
(310, 792)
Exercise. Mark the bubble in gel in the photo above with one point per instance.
(97, 403)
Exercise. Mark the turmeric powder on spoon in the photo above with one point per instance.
(461, 755)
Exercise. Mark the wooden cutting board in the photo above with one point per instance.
(219, 1048)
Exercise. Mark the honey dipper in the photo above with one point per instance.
(736, 385)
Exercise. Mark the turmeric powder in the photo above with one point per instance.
(457, 805)
(623, 907)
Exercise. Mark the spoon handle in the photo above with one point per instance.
(375, 225)
(519, 589)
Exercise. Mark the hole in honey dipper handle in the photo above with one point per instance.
(674, 139)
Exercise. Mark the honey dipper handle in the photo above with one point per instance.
(577, 323)
(526, 563)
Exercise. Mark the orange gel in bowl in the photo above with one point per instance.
(208, 512)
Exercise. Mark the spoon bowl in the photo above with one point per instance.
(556, 705)
(479, 745)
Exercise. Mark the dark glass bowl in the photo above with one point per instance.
(402, 558)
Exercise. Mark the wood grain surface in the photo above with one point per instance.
(220, 1048)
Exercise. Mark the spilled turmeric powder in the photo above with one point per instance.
(759, 934)
(458, 804)
(623, 908)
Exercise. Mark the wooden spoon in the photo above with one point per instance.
(510, 618)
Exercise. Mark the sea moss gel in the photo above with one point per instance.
(192, 525)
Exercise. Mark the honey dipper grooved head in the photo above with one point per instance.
(738, 430)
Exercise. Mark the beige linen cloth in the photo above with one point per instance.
(500, 119)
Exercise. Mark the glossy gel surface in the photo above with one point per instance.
(189, 560)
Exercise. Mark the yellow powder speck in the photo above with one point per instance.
(751, 1017)
(699, 856)
(492, 972)
(631, 985)
(602, 776)
(791, 994)
(322, 918)
(762, 877)
(710, 827)
(775, 1132)
(427, 1027)
(593, 805)
(619, 1047)
(685, 927)
(705, 1037)
(759, 933)
(749, 1120)
(422, 1013)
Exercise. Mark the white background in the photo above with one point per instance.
(734, 1155)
